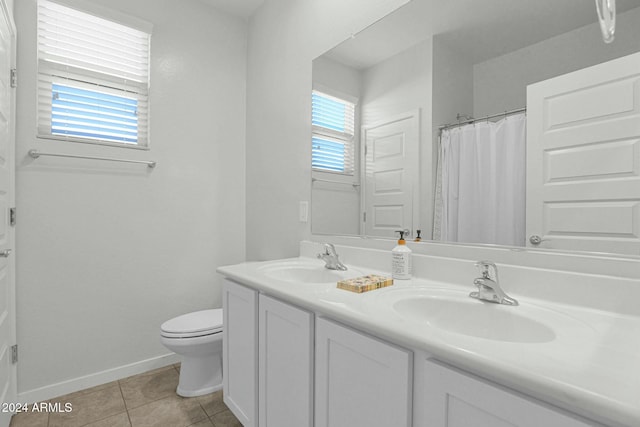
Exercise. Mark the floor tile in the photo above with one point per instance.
(174, 411)
(145, 388)
(89, 407)
(212, 403)
(203, 423)
(150, 398)
(225, 419)
(30, 419)
(120, 420)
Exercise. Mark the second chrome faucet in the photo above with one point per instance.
(488, 285)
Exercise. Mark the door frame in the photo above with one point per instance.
(12, 392)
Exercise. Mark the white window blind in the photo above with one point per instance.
(333, 123)
(93, 78)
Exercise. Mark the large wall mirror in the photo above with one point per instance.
(428, 120)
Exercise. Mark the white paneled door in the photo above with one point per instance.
(8, 391)
(391, 175)
(583, 159)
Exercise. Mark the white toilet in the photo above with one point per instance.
(197, 337)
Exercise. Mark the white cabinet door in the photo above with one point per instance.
(240, 352)
(285, 365)
(454, 399)
(360, 381)
(583, 157)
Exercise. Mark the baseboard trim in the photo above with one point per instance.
(98, 378)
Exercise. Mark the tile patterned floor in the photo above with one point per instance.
(144, 400)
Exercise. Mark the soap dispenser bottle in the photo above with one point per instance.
(401, 259)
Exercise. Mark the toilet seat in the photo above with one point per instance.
(191, 325)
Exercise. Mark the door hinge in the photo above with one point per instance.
(14, 353)
(12, 216)
(14, 77)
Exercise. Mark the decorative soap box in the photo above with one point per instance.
(365, 283)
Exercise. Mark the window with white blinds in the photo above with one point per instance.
(332, 140)
(93, 78)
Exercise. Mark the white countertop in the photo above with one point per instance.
(591, 366)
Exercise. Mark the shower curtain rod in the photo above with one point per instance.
(492, 116)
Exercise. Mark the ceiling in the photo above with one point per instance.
(240, 8)
(481, 29)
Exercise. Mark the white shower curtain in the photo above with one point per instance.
(481, 194)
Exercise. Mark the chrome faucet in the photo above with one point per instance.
(330, 258)
(488, 287)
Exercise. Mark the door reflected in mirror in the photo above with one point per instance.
(420, 69)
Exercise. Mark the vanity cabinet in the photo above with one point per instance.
(360, 380)
(285, 364)
(456, 399)
(240, 352)
(267, 359)
(274, 353)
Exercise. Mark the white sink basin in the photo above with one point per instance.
(307, 272)
(474, 318)
(453, 311)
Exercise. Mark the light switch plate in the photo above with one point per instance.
(303, 211)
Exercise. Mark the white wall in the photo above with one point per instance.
(452, 84)
(335, 208)
(340, 79)
(500, 83)
(106, 252)
(399, 85)
(284, 37)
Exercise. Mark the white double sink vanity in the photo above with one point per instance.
(422, 353)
